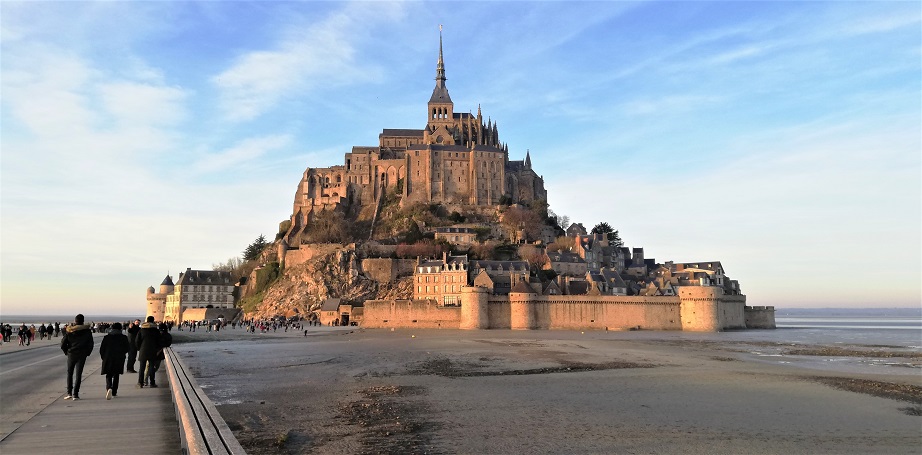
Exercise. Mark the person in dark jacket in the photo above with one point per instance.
(165, 341)
(113, 349)
(78, 345)
(133, 344)
(148, 345)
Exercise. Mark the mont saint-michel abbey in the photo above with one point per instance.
(456, 160)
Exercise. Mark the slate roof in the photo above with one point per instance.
(402, 132)
(455, 230)
(330, 304)
(613, 278)
(562, 256)
(440, 95)
(523, 287)
(167, 281)
(578, 287)
(515, 166)
(204, 277)
(493, 266)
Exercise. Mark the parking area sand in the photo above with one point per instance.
(344, 391)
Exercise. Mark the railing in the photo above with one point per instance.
(201, 429)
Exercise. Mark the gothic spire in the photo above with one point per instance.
(527, 159)
(440, 92)
(440, 68)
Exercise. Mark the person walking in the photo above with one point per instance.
(113, 349)
(148, 344)
(133, 344)
(78, 345)
(166, 340)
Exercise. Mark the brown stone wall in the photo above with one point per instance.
(381, 270)
(207, 314)
(700, 309)
(307, 251)
(410, 314)
(384, 270)
(760, 317)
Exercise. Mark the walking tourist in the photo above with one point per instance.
(165, 341)
(113, 349)
(133, 344)
(148, 344)
(77, 343)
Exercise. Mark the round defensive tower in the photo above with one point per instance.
(521, 307)
(475, 312)
(699, 308)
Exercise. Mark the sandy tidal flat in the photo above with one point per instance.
(341, 391)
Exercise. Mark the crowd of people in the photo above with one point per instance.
(26, 334)
(128, 343)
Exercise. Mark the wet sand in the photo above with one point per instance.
(345, 391)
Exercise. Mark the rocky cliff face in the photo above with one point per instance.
(303, 288)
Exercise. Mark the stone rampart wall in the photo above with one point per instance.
(760, 317)
(386, 270)
(381, 270)
(305, 252)
(704, 309)
(410, 314)
(207, 314)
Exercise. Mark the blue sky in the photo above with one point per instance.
(781, 138)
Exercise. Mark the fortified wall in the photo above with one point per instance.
(696, 308)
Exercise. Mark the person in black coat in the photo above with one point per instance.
(148, 345)
(113, 349)
(133, 344)
(78, 345)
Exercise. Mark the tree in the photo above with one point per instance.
(602, 228)
(519, 221)
(251, 253)
(534, 255)
(613, 238)
(328, 226)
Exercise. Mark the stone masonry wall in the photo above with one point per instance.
(760, 317)
(410, 314)
(307, 251)
(700, 309)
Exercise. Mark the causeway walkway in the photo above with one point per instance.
(137, 421)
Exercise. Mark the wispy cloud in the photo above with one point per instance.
(306, 57)
(248, 150)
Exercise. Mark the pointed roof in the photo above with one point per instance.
(167, 281)
(440, 92)
(527, 159)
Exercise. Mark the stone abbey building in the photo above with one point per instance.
(457, 160)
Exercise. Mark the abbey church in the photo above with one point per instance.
(457, 160)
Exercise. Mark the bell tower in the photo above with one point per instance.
(441, 109)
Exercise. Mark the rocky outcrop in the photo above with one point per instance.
(401, 289)
(303, 288)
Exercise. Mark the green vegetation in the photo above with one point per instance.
(253, 251)
(267, 275)
(613, 238)
(250, 303)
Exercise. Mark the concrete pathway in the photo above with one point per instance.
(137, 421)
